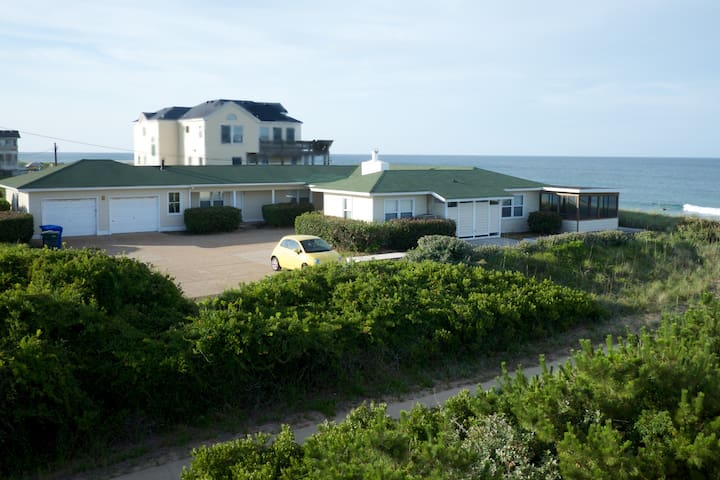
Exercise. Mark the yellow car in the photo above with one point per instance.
(300, 251)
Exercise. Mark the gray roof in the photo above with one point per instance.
(169, 113)
(263, 111)
(9, 134)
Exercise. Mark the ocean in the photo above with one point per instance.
(673, 186)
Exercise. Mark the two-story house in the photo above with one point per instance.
(225, 132)
(8, 151)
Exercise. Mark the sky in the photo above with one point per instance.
(455, 77)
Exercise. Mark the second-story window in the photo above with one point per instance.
(231, 134)
(264, 133)
(290, 134)
(277, 134)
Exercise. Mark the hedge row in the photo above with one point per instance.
(83, 351)
(648, 407)
(4, 204)
(284, 214)
(91, 345)
(212, 219)
(359, 236)
(15, 227)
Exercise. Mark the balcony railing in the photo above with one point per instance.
(298, 148)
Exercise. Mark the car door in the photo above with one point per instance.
(291, 259)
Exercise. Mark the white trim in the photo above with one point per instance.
(578, 190)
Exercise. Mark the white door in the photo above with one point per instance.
(76, 216)
(482, 225)
(133, 214)
(465, 219)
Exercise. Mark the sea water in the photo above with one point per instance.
(674, 186)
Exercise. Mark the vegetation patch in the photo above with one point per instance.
(358, 236)
(15, 227)
(647, 407)
(284, 214)
(212, 219)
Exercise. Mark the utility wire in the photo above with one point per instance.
(114, 149)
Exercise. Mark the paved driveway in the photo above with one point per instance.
(201, 264)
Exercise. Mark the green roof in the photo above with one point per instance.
(449, 183)
(112, 174)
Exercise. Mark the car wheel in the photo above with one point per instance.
(274, 264)
(304, 265)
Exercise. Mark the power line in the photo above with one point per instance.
(114, 149)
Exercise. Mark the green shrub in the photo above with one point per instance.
(4, 205)
(359, 236)
(440, 248)
(404, 233)
(212, 219)
(16, 227)
(284, 214)
(86, 344)
(544, 223)
(645, 407)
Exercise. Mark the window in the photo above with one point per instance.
(401, 208)
(290, 134)
(211, 199)
(231, 117)
(514, 207)
(231, 134)
(277, 134)
(264, 133)
(173, 203)
(347, 207)
(290, 244)
(152, 150)
(237, 160)
(187, 129)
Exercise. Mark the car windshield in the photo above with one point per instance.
(312, 245)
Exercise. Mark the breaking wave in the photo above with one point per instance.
(709, 211)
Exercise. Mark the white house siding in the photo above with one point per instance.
(420, 205)
(166, 220)
(531, 203)
(221, 154)
(165, 136)
(191, 134)
(359, 208)
(590, 225)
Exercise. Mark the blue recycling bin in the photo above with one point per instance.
(51, 235)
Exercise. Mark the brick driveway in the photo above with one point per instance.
(201, 264)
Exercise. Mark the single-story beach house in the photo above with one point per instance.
(105, 197)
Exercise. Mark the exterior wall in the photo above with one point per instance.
(166, 221)
(191, 137)
(163, 134)
(519, 224)
(8, 154)
(218, 153)
(420, 205)
(590, 225)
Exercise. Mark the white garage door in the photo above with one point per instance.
(76, 216)
(133, 214)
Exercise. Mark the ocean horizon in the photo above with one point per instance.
(668, 185)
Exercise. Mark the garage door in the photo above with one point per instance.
(76, 216)
(133, 214)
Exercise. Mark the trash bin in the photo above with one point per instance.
(51, 236)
